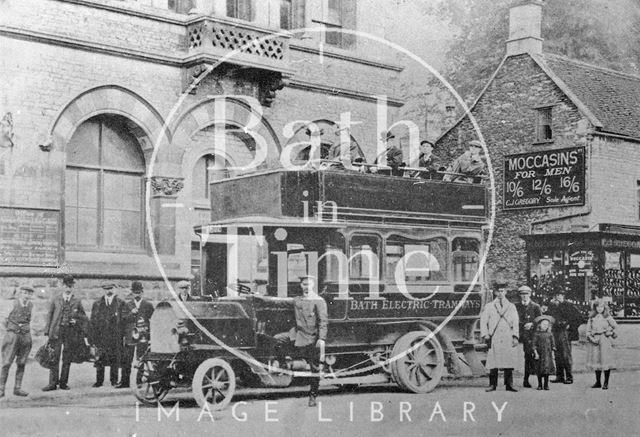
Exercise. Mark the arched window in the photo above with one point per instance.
(104, 186)
(207, 169)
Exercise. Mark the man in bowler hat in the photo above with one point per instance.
(16, 343)
(138, 312)
(528, 310)
(106, 333)
(66, 323)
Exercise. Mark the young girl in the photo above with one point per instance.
(544, 346)
(600, 331)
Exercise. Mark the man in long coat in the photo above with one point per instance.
(66, 326)
(528, 310)
(568, 318)
(499, 325)
(138, 312)
(106, 333)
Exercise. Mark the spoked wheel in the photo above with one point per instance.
(214, 383)
(149, 388)
(420, 365)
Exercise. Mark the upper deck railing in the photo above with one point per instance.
(325, 195)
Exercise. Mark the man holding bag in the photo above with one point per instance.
(66, 327)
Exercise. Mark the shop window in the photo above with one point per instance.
(415, 261)
(465, 259)
(543, 125)
(241, 9)
(104, 186)
(364, 257)
(632, 299)
(208, 168)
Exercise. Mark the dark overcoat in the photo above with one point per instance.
(106, 329)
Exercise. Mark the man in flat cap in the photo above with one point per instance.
(138, 312)
(106, 333)
(528, 310)
(184, 291)
(16, 343)
(469, 166)
(66, 323)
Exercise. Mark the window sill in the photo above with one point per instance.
(137, 251)
(542, 143)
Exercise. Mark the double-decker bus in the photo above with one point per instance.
(396, 260)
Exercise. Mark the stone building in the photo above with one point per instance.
(113, 122)
(564, 142)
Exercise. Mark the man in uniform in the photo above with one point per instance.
(499, 327)
(106, 333)
(568, 319)
(66, 322)
(16, 343)
(528, 310)
(310, 332)
(138, 312)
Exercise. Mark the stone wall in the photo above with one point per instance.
(506, 116)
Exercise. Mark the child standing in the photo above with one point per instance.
(600, 331)
(544, 346)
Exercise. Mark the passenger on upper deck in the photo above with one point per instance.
(344, 153)
(470, 165)
(429, 162)
(393, 154)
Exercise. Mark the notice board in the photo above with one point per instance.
(29, 237)
(544, 179)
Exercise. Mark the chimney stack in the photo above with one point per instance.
(525, 22)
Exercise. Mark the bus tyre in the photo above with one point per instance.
(420, 363)
(149, 388)
(214, 384)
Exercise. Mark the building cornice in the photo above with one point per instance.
(341, 92)
(330, 53)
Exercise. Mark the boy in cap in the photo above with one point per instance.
(527, 312)
(184, 291)
(16, 343)
(138, 312)
(65, 318)
(106, 333)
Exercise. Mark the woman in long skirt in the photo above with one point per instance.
(600, 333)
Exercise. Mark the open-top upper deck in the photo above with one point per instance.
(325, 195)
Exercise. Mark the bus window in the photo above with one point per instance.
(364, 257)
(465, 259)
(416, 260)
(335, 258)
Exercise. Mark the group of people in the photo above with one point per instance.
(113, 331)
(468, 167)
(546, 339)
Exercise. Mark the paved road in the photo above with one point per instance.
(565, 410)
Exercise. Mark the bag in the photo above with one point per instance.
(488, 341)
(46, 356)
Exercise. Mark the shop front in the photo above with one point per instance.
(604, 263)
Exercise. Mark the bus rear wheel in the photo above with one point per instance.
(419, 362)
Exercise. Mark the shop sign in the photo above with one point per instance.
(544, 179)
